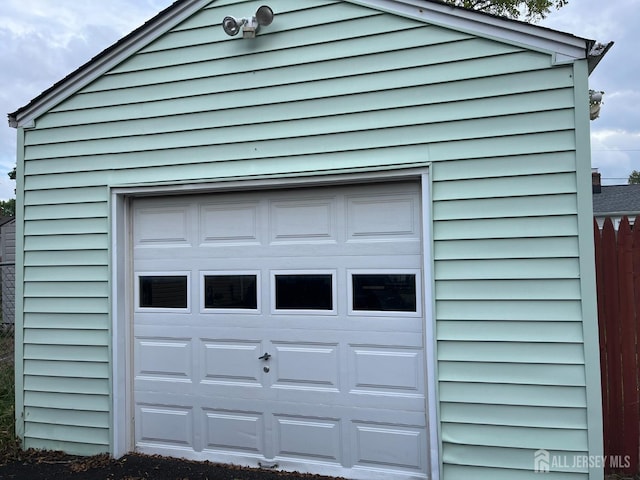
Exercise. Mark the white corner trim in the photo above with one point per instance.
(121, 415)
(430, 339)
(509, 31)
(96, 67)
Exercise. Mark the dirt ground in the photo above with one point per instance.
(38, 465)
(42, 465)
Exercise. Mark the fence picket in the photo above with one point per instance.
(611, 321)
(628, 362)
(602, 330)
(635, 305)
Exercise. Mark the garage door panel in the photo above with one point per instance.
(236, 224)
(307, 366)
(383, 216)
(315, 438)
(151, 226)
(169, 359)
(164, 425)
(389, 446)
(303, 220)
(234, 431)
(231, 362)
(386, 370)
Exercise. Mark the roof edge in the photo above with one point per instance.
(565, 47)
(107, 59)
(596, 53)
(622, 213)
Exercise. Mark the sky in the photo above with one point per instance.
(42, 41)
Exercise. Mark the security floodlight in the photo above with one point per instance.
(250, 26)
(595, 103)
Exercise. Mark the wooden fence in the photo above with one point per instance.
(618, 281)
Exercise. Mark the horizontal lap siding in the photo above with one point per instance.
(66, 319)
(495, 120)
(508, 304)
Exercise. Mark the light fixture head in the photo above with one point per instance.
(595, 103)
(231, 25)
(250, 26)
(595, 96)
(264, 15)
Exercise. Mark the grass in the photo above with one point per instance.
(9, 444)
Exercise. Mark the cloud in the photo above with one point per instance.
(43, 41)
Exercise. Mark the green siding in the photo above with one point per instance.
(500, 352)
(496, 121)
(570, 397)
(456, 470)
(89, 386)
(505, 207)
(82, 325)
(69, 257)
(67, 433)
(65, 417)
(56, 242)
(509, 372)
(514, 437)
(509, 310)
(515, 415)
(37, 334)
(509, 268)
(507, 331)
(475, 249)
(68, 211)
(497, 461)
(76, 196)
(80, 353)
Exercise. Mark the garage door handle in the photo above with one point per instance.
(265, 357)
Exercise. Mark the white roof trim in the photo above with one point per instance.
(96, 67)
(563, 46)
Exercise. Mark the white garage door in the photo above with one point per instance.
(283, 329)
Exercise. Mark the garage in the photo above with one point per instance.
(356, 242)
(282, 329)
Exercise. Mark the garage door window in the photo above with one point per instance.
(384, 292)
(230, 291)
(304, 291)
(163, 291)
